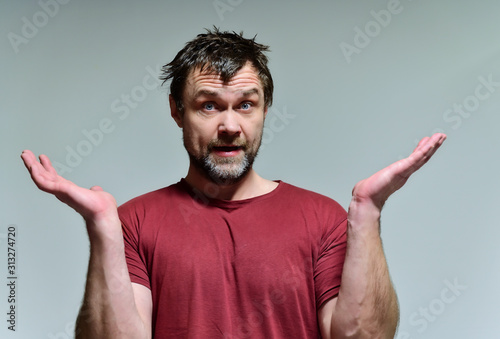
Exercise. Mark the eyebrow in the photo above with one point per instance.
(209, 93)
(205, 92)
(250, 92)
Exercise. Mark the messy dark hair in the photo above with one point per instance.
(222, 53)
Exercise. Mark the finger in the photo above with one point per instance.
(424, 152)
(45, 161)
(432, 145)
(96, 188)
(425, 142)
(421, 143)
(32, 164)
(28, 159)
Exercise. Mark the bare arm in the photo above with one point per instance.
(113, 307)
(367, 306)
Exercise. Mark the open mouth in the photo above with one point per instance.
(227, 150)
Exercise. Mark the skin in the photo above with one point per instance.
(113, 307)
(233, 113)
(366, 306)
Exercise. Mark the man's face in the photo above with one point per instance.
(222, 123)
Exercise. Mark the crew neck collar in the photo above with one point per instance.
(200, 196)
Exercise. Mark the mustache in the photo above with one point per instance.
(233, 142)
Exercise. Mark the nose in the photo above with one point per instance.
(229, 124)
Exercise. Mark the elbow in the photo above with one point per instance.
(363, 332)
(362, 327)
(355, 328)
(95, 330)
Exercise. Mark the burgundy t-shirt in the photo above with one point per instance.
(254, 268)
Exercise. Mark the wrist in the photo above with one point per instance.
(364, 209)
(364, 215)
(104, 227)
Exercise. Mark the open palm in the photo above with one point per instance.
(377, 188)
(91, 203)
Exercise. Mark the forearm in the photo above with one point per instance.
(108, 309)
(367, 304)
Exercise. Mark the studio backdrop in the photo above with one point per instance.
(357, 84)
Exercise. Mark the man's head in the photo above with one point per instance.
(222, 53)
(221, 88)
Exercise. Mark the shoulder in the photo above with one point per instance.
(323, 216)
(311, 206)
(154, 198)
(305, 196)
(152, 207)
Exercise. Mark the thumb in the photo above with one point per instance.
(96, 188)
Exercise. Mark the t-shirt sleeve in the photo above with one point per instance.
(131, 234)
(330, 262)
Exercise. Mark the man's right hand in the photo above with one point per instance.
(93, 204)
(113, 307)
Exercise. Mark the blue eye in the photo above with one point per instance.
(246, 106)
(209, 106)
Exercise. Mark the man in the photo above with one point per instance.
(225, 253)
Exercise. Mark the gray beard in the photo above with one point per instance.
(217, 170)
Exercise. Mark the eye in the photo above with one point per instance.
(246, 106)
(209, 106)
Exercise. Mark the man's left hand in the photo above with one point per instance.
(376, 189)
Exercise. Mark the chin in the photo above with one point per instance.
(221, 176)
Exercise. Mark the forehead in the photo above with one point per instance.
(246, 78)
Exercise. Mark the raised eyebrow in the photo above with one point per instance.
(209, 93)
(250, 92)
(205, 92)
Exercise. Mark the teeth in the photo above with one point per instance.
(227, 148)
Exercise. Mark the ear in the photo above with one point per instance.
(265, 112)
(174, 112)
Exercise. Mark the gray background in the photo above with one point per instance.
(337, 118)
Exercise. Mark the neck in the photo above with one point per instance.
(250, 186)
